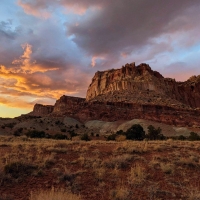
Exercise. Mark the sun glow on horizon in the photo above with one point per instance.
(12, 112)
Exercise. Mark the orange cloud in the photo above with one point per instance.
(95, 58)
(24, 64)
(15, 102)
(25, 78)
(29, 9)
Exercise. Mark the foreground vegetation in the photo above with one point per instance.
(135, 132)
(62, 169)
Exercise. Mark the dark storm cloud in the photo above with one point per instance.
(123, 24)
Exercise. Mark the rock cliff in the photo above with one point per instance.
(140, 84)
(41, 110)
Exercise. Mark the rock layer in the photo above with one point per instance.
(42, 110)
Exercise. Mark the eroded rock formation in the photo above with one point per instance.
(132, 92)
(140, 84)
(42, 110)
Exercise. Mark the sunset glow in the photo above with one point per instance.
(52, 48)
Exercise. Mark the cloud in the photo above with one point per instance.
(35, 79)
(26, 65)
(129, 24)
(17, 102)
(43, 8)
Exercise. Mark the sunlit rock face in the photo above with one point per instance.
(42, 110)
(68, 103)
(140, 84)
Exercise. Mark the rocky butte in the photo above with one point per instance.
(129, 93)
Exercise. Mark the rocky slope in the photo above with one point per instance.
(132, 92)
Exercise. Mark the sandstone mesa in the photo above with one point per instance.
(132, 92)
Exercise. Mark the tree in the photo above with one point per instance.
(154, 134)
(135, 132)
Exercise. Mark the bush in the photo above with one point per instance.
(194, 136)
(136, 132)
(18, 132)
(85, 137)
(120, 132)
(19, 169)
(37, 134)
(181, 137)
(63, 130)
(77, 126)
(72, 133)
(59, 137)
(154, 134)
(111, 137)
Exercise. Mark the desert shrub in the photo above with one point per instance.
(63, 130)
(97, 135)
(135, 132)
(37, 134)
(19, 169)
(181, 137)
(154, 134)
(111, 137)
(18, 132)
(194, 136)
(85, 137)
(77, 126)
(10, 125)
(137, 175)
(120, 132)
(72, 133)
(59, 137)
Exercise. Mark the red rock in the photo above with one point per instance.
(41, 110)
(129, 93)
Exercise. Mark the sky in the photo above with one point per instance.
(50, 48)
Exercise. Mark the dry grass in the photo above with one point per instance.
(53, 195)
(120, 193)
(99, 169)
(167, 168)
(137, 175)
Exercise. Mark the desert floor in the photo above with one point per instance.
(34, 169)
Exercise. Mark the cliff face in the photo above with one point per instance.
(42, 110)
(67, 103)
(140, 84)
(190, 91)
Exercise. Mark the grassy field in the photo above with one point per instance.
(45, 169)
